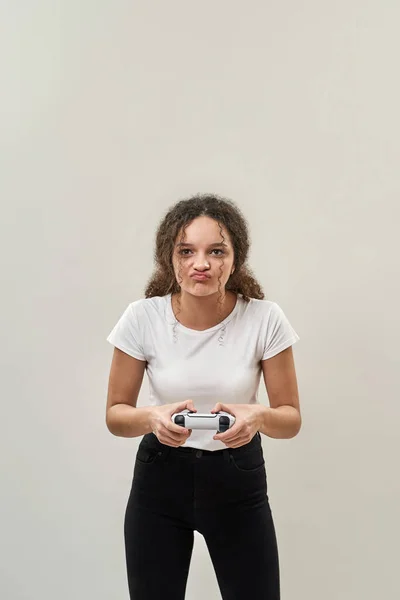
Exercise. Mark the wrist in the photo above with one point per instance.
(151, 417)
(263, 414)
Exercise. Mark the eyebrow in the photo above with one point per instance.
(211, 245)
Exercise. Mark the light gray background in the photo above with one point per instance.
(112, 111)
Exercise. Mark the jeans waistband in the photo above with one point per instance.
(153, 440)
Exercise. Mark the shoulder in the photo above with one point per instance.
(142, 307)
(261, 309)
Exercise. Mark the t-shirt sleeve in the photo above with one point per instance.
(126, 334)
(280, 334)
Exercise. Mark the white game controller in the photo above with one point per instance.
(220, 421)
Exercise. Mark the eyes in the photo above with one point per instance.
(185, 251)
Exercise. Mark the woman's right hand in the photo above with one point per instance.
(164, 429)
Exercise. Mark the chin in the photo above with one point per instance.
(201, 289)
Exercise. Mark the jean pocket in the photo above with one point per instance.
(147, 456)
(248, 462)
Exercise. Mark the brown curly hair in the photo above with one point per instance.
(178, 217)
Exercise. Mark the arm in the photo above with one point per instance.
(282, 419)
(123, 418)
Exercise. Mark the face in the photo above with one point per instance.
(204, 258)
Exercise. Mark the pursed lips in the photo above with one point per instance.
(200, 277)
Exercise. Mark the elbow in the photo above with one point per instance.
(119, 420)
(293, 426)
(111, 424)
(297, 425)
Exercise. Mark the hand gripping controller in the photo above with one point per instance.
(220, 421)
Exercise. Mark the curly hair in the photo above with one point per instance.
(225, 212)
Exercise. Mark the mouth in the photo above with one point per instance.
(200, 277)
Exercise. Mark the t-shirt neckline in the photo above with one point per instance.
(172, 318)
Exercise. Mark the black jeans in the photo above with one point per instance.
(223, 495)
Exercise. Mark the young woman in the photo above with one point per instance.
(204, 334)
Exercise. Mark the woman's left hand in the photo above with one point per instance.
(247, 423)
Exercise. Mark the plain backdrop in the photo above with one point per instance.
(110, 113)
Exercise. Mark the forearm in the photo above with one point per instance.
(283, 422)
(128, 421)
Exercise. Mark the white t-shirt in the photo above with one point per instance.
(219, 364)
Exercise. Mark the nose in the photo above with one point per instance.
(202, 265)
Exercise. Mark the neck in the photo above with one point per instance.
(202, 312)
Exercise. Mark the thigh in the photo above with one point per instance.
(238, 527)
(158, 552)
(158, 530)
(244, 553)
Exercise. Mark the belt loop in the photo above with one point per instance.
(226, 454)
